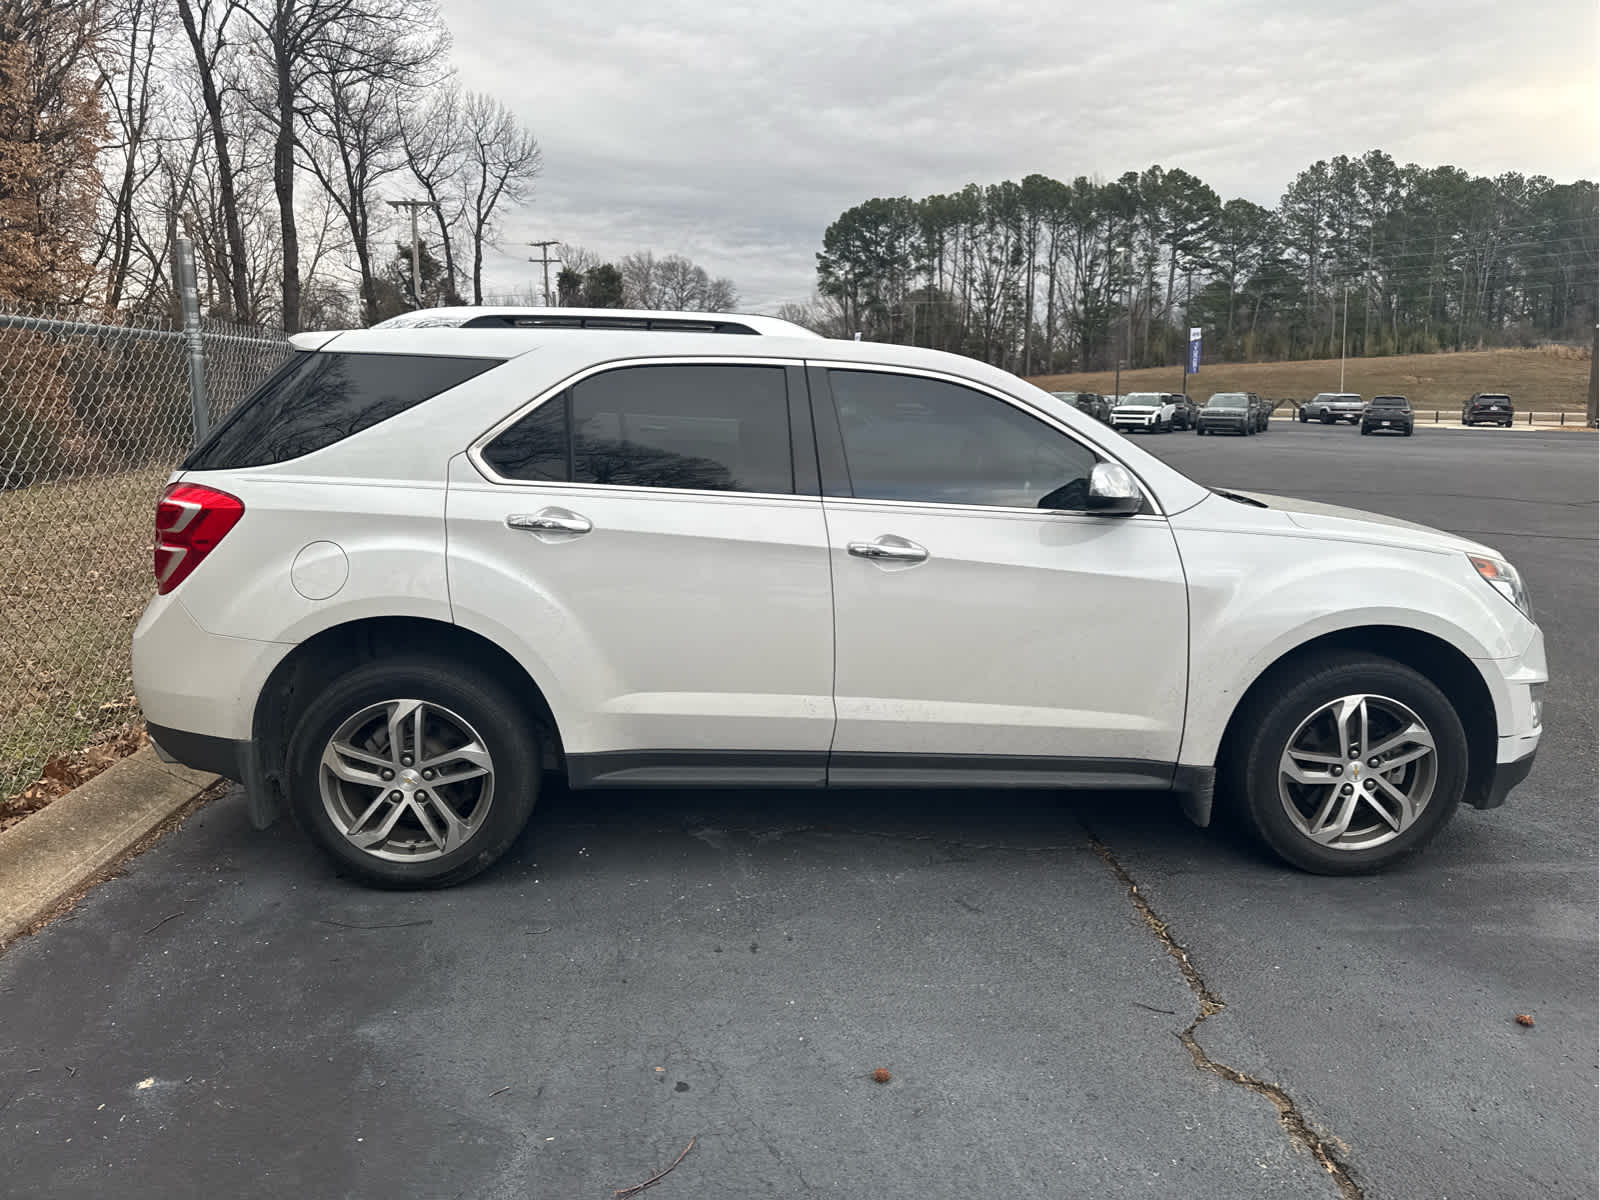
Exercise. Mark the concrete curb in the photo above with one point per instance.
(57, 850)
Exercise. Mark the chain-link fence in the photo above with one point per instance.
(93, 418)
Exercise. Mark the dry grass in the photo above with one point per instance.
(1549, 379)
(74, 577)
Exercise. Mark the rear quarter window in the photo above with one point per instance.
(319, 398)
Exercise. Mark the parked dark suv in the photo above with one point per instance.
(1183, 411)
(1391, 413)
(1228, 412)
(1090, 404)
(1488, 408)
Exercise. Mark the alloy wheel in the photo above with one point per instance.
(406, 780)
(1358, 772)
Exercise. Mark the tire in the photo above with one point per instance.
(1328, 418)
(1297, 708)
(461, 705)
(1365, 431)
(1303, 417)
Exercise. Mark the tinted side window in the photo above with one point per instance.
(907, 438)
(321, 398)
(711, 427)
(537, 448)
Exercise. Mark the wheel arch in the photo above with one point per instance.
(320, 659)
(1431, 656)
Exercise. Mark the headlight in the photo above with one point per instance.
(1503, 578)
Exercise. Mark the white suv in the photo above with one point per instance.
(421, 568)
(1153, 412)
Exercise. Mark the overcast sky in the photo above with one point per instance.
(734, 133)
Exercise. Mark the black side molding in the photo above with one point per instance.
(701, 768)
(697, 768)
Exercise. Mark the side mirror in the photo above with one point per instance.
(1113, 491)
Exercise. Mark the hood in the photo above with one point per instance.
(1142, 406)
(1333, 520)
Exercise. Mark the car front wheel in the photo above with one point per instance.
(1348, 765)
(413, 772)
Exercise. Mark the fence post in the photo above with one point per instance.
(189, 298)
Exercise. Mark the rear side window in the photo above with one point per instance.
(712, 427)
(321, 398)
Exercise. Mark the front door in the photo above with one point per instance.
(986, 627)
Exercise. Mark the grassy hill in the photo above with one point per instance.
(1548, 379)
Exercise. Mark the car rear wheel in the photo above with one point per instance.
(413, 773)
(1348, 765)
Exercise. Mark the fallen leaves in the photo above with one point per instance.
(881, 1075)
(65, 772)
(1525, 1020)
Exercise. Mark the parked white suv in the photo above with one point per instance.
(1153, 412)
(420, 568)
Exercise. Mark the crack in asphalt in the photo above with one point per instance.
(1289, 1116)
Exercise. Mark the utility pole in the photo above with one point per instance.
(546, 259)
(416, 249)
(1344, 332)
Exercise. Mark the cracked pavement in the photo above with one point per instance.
(647, 968)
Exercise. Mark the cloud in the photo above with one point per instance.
(735, 133)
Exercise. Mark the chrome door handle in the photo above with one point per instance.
(550, 520)
(889, 548)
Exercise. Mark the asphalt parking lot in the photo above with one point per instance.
(228, 1019)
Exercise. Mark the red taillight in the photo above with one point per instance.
(190, 521)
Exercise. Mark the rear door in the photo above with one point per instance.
(654, 545)
(987, 628)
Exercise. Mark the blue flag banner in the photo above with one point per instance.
(1194, 351)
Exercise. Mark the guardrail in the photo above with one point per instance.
(1287, 410)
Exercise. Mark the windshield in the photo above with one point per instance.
(1228, 400)
(1390, 402)
(1145, 398)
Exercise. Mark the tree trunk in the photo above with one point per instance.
(238, 281)
(283, 186)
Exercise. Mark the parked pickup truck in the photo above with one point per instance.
(1329, 407)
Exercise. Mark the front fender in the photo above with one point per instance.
(1255, 598)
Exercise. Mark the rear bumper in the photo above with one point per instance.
(188, 679)
(201, 751)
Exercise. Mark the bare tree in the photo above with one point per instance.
(205, 23)
(721, 295)
(502, 161)
(350, 137)
(126, 62)
(320, 51)
(640, 288)
(432, 138)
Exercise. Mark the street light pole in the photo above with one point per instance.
(1344, 331)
